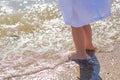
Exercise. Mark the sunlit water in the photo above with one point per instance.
(37, 25)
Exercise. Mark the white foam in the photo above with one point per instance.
(42, 31)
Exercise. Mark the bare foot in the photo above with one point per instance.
(73, 55)
(92, 48)
(90, 52)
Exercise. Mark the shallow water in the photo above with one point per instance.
(37, 25)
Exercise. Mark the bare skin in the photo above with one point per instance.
(88, 37)
(82, 37)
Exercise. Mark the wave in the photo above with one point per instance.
(27, 34)
(42, 28)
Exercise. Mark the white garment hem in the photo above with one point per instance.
(88, 22)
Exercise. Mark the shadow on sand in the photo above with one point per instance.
(89, 69)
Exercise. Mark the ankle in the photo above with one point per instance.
(91, 48)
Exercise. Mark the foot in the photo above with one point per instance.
(72, 55)
(90, 52)
(91, 48)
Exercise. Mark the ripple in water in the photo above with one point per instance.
(38, 26)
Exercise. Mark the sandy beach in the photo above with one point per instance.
(34, 41)
(110, 63)
(57, 67)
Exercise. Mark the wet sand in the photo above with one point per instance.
(22, 63)
(110, 64)
(56, 67)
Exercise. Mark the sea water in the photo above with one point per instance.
(28, 26)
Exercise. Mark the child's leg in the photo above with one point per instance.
(88, 37)
(79, 41)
